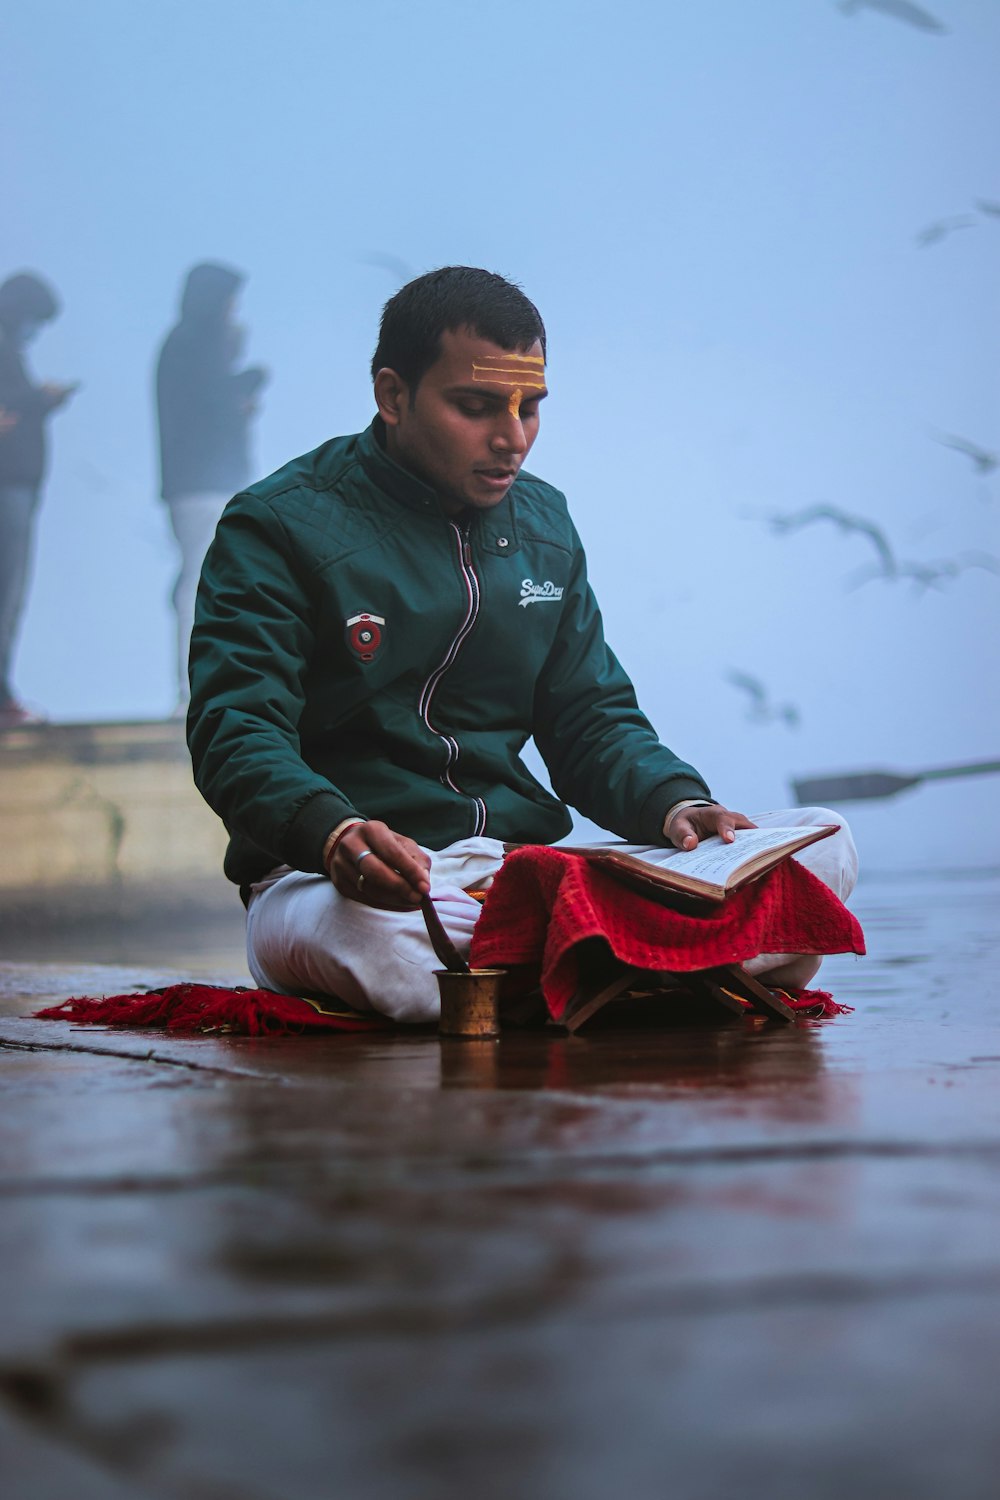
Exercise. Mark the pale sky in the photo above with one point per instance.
(716, 206)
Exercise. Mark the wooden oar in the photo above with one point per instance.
(440, 941)
(858, 786)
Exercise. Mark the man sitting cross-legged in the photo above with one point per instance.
(381, 626)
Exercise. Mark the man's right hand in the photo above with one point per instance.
(380, 868)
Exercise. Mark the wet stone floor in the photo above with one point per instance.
(727, 1262)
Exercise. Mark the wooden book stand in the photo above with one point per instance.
(723, 986)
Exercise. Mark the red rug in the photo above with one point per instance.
(199, 1009)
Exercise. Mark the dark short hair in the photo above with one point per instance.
(442, 301)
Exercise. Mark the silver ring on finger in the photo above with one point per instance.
(363, 855)
(361, 884)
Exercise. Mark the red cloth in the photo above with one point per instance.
(544, 903)
(193, 1009)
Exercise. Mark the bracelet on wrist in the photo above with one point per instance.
(329, 852)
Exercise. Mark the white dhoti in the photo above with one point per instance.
(304, 936)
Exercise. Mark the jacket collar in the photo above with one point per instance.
(390, 476)
(496, 528)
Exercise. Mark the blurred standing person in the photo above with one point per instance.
(26, 304)
(204, 408)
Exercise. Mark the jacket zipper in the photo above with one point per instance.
(430, 686)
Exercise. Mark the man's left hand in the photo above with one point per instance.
(691, 824)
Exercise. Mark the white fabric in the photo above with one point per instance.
(194, 519)
(303, 935)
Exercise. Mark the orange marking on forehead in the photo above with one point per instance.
(508, 375)
(514, 404)
(519, 359)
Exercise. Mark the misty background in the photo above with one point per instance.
(763, 238)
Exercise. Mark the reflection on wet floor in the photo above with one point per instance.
(744, 1259)
(740, 1055)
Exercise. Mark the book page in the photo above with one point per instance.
(713, 860)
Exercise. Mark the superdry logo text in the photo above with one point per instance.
(539, 593)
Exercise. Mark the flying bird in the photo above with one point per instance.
(984, 461)
(759, 709)
(397, 268)
(900, 10)
(886, 560)
(941, 228)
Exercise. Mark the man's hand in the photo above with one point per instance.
(380, 868)
(690, 824)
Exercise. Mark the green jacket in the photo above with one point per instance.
(356, 650)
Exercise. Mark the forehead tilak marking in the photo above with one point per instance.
(512, 369)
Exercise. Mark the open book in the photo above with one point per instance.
(709, 872)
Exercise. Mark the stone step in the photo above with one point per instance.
(109, 805)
